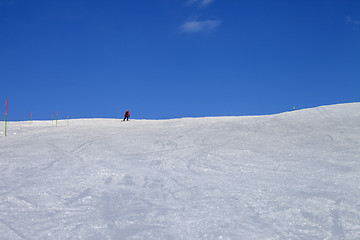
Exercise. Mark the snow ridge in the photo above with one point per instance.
(293, 175)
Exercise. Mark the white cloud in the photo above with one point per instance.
(194, 25)
(355, 23)
(7, 3)
(202, 3)
(199, 26)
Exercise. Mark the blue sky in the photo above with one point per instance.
(176, 58)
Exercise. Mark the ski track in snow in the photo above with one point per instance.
(293, 175)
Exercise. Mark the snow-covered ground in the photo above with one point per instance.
(294, 175)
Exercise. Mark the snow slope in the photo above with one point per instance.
(294, 175)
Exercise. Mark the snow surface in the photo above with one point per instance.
(294, 175)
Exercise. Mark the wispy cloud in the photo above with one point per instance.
(202, 3)
(199, 26)
(355, 23)
(7, 3)
(193, 25)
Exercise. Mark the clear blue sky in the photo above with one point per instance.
(176, 58)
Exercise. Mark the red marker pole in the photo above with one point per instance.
(52, 120)
(68, 121)
(6, 118)
(57, 117)
(31, 117)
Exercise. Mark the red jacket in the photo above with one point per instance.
(127, 114)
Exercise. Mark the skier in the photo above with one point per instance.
(127, 115)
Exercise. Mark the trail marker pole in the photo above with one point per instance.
(31, 117)
(68, 121)
(57, 117)
(6, 118)
(52, 120)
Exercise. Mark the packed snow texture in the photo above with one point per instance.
(294, 175)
